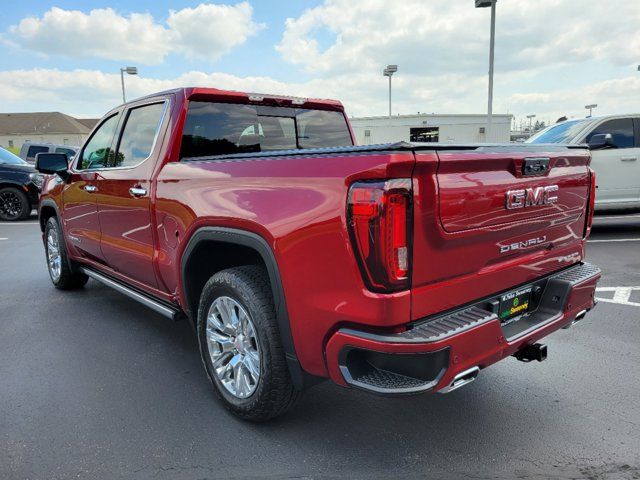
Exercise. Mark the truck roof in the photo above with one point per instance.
(210, 93)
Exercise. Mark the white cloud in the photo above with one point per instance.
(553, 57)
(619, 95)
(452, 36)
(206, 31)
(211, 30)
(92, 93)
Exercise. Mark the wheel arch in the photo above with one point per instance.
(47, 209)
(246, 243)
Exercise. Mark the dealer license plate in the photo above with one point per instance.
(514, 304)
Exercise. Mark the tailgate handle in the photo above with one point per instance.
(535, 166)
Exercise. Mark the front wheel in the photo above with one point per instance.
(63, 273)
(14, 204)
(240, 344)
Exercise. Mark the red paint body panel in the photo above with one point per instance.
(472, 188)
(297, 204)
(126, 231)
(451, 269)
(80, 215)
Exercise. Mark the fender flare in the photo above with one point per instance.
(18, 185)
(259, 244)
(9, 182)
(47, 202)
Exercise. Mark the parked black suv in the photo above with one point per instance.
(19, 187)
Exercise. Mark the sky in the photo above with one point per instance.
(552, 56)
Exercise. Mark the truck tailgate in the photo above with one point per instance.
(482, 226)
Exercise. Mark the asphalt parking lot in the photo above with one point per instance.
(93, 385)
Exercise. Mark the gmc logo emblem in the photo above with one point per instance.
(530, 197)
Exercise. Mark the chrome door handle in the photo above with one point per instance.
(90, 188)
(138, 191)
(629, 159)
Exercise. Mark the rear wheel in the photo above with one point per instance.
(63, 273)
(240, 344)
(14, 204)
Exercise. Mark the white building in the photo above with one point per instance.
(43, 127)
(447, 128)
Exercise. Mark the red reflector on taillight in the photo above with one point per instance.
(397, 205)
(379, 215)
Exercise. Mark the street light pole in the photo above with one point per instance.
(389, 96)
(130, 71)
(590, 107)
(530, 117)
(492, 41)
(388, 72)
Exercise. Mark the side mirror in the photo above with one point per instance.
(600, 141)
(52, 164)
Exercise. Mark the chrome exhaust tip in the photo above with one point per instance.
(461, 379)
(581, 314)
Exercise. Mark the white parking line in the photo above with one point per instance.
(615, 240)
(3, 238)
(17, 224)
(621, 295)
(607, 217)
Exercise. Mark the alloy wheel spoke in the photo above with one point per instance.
(222, 366)
(252, 368)
(238, 382)
(223, 342)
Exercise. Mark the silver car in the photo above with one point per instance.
(615, 151)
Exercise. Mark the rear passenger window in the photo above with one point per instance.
(620, 129)
(138, 136)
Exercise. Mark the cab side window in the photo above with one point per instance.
(620, 129)
(97, 152)
(138, 135)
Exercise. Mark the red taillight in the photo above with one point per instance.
(592, 201)
(379, 216)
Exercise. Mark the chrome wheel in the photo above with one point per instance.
(233, 347)
(10, 205)
(54, 260)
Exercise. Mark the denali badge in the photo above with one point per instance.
(531, 197)
(532, 242)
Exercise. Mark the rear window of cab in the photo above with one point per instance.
(213, 129)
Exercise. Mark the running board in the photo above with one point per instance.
(155, 305)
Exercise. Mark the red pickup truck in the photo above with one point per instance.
(396, 269)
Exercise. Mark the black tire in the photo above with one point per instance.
(14, 204)
(274, 392)
(69, 276)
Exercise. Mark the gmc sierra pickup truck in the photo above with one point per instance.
(296, 255)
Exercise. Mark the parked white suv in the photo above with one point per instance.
(615, 156)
